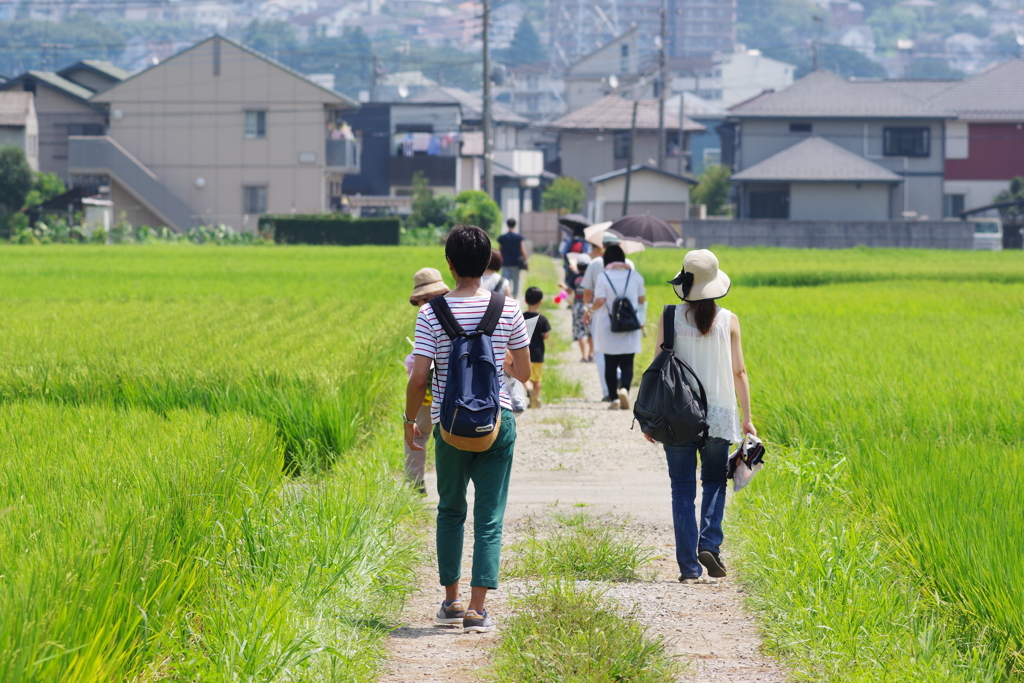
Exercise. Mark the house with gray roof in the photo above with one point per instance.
(63, 108)
(817, 180)
(837, 149)
(594, 139)
(985, 144)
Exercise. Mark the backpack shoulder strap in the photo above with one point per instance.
(444, 315)
(492, 315)
(668, 327)
(614, 291)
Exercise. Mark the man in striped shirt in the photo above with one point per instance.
(468, 251)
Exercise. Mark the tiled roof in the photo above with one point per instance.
(472, 105)
(612, 112)
(61, 83)
(816, 159)
(107, 68)
(15, 108)
(993, 95)
(824, 95)
(643, 167)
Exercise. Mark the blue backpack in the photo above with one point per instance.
(471, 404)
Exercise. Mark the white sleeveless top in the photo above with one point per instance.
(710, 356)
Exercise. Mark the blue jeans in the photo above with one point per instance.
(682, 469)
(512, 274)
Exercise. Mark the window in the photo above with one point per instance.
(85, 129)
(532, 82)
(624, 62)
(255, 125)
(620, 141)
(952, 205)
(254, 199)
(906, 142)
(414, 128)
(712, 156)
(799, 128)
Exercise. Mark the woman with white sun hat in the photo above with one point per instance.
(707, 338)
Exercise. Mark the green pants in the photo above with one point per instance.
(490, 472)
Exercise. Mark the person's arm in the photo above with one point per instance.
(641, 291)
(522, 250)
(415, 391)
(739, 375)
(517, 364)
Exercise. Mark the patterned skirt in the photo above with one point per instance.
(580, 330)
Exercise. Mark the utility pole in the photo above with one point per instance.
(629, 160)
(373, 79)
(682, 136)
(488, 142)
(818, 23)
(662, 82)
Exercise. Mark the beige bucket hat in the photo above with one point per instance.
(700, 279)
(427, 283)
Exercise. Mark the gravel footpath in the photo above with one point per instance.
(578, 455)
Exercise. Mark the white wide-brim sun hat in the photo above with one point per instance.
(700, 279)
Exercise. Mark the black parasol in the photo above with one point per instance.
(652, 231)
(574, 222)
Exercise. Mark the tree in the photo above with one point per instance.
(46, 187)
(349, 57)
(1016, 192)
(15, 179)
(427, 210)
(1006, 45)
(526, 47)
(564, 195)
(713, 190)
(474, 207)
(931, 68)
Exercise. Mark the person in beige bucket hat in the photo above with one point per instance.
(426, 284)
(707, 338)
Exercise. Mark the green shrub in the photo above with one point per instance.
(564, 195)
(474, 207)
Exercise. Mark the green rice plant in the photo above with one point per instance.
(903, 367)
(567, 633)
(149, 398)
(580, 546)
(557, 387)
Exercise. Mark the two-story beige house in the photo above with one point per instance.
(218, 134)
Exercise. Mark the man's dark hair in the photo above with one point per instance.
(496, 261)
(534, 296)
(613, 254)
(511, 223)
(469, 250)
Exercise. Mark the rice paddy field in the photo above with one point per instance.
(199, 455)
(884, 539)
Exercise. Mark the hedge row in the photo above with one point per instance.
(330, 229)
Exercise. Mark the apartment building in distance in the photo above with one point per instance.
(218, 133)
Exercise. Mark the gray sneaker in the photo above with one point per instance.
(477, 622)
(451, 613)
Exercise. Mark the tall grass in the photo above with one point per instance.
(149, 399)
(878, 542)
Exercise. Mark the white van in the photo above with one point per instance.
(988, 234)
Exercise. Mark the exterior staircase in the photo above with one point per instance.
(102, 155)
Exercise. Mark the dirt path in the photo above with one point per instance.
(580, 455)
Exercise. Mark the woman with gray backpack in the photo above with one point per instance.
(618, 294)
(702, 339)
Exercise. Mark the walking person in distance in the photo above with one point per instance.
(483, 322)
(513, 255)
(618, 280)
(707, 338)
